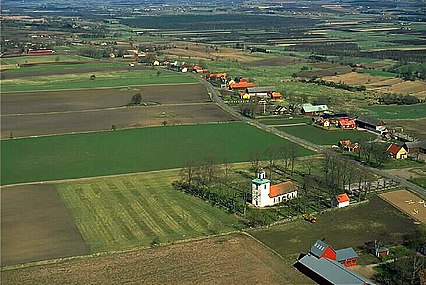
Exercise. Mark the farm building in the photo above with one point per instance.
(396, 151)
(346, 124)
(348, 146)
(371, 124)
(197, 69)
(263, 194)
(335, 117)
(381, 251)
(275, 95)
(279, 110)
(341, 200)
(310, 110)
(41, 52)
(261, 91)
(415, 147)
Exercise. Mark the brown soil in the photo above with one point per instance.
(127, 117)
(59, 101)
(399, 198)
(234, 259)
(36, 225)
(336, 70)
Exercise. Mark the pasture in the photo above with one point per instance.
(42, 59)
(415, 127)
(394, 112)
(352, 226)
(140, 210)
(103, 80)
(408, 203)
(325, 137)
(36, 225)
(132, 150)
(229, 259)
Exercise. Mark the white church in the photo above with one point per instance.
(263, 194)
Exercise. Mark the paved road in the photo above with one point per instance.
(215, 96)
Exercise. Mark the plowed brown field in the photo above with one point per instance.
(36, 225)
(235, 259)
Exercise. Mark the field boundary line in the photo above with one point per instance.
(264, 245)
(101, 88)
(112, 252)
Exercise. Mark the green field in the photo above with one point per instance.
(65, 66)
(103, 79)
(133, 150)
(140, 210)
(399, 111)
(421, 181)
(324, 137)
(286, 121)
(346, 227)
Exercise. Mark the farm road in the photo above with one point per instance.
(215, 96)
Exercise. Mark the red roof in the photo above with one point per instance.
(196, 67)
(393, 149)
(342, 198)
(281, 188)
(218, 75)
(241, 85)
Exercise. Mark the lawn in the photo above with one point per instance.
(132, 150)
(140, 210)
(401, 163)
(399, 111)
(62, 66)
(43, 59)
(103, 79)
(347, 227)
(324, 137)
(421, 181)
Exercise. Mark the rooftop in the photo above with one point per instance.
(261, 89)
(318, 248)
(332, 271)
(342, 198)
(345, 253)
(308, 107)
(281, 188)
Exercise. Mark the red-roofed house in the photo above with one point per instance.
(397, 152)
(242, 85)
(341, 200)
(347, 124)
(197, 68)
(263, 194)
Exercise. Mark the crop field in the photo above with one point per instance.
(285, 121)
(140, 210)
(133, 150)
(383, 84)
(399, 112)
(36, 225)
(103, 79)
(78, 100)
(219, 260)
(101, 120)
(408, 203)
(324, 137)
(42, 59)
(55, 69)
(352, 226)
(416, 127)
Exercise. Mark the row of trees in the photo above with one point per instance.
(340, 85)
(398, 99)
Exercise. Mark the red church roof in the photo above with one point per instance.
(281, 188)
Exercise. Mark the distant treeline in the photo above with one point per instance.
(352, 49)
(389, 99)
(339, 85)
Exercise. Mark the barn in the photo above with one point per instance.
(310, 110)
(371, 124)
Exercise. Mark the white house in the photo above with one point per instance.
(341, 200)
(263, 194)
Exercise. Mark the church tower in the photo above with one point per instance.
(260, 188)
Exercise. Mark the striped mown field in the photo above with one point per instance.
(140, 210)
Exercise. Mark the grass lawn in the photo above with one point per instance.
(421, 181)
(324, 137)
(103, 79)
(347, 227)
(401, 163)
(399, 111)
(133, 150)
(140, 210)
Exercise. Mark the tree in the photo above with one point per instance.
(293, 152)
(136, 99)
(271, 154)
(92, 77)
(158, 73)
(379, 154)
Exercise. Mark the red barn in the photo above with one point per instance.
(346, 256)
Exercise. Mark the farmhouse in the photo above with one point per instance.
(326, 265)
(242, 84)
(371, 124)
(310, 110)
(261, 91)
(263, 194)
(197, 69)
(346, 124)
(341, 200)
(396, 151)
(279, 110)
(348, 146)
(41, 52)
